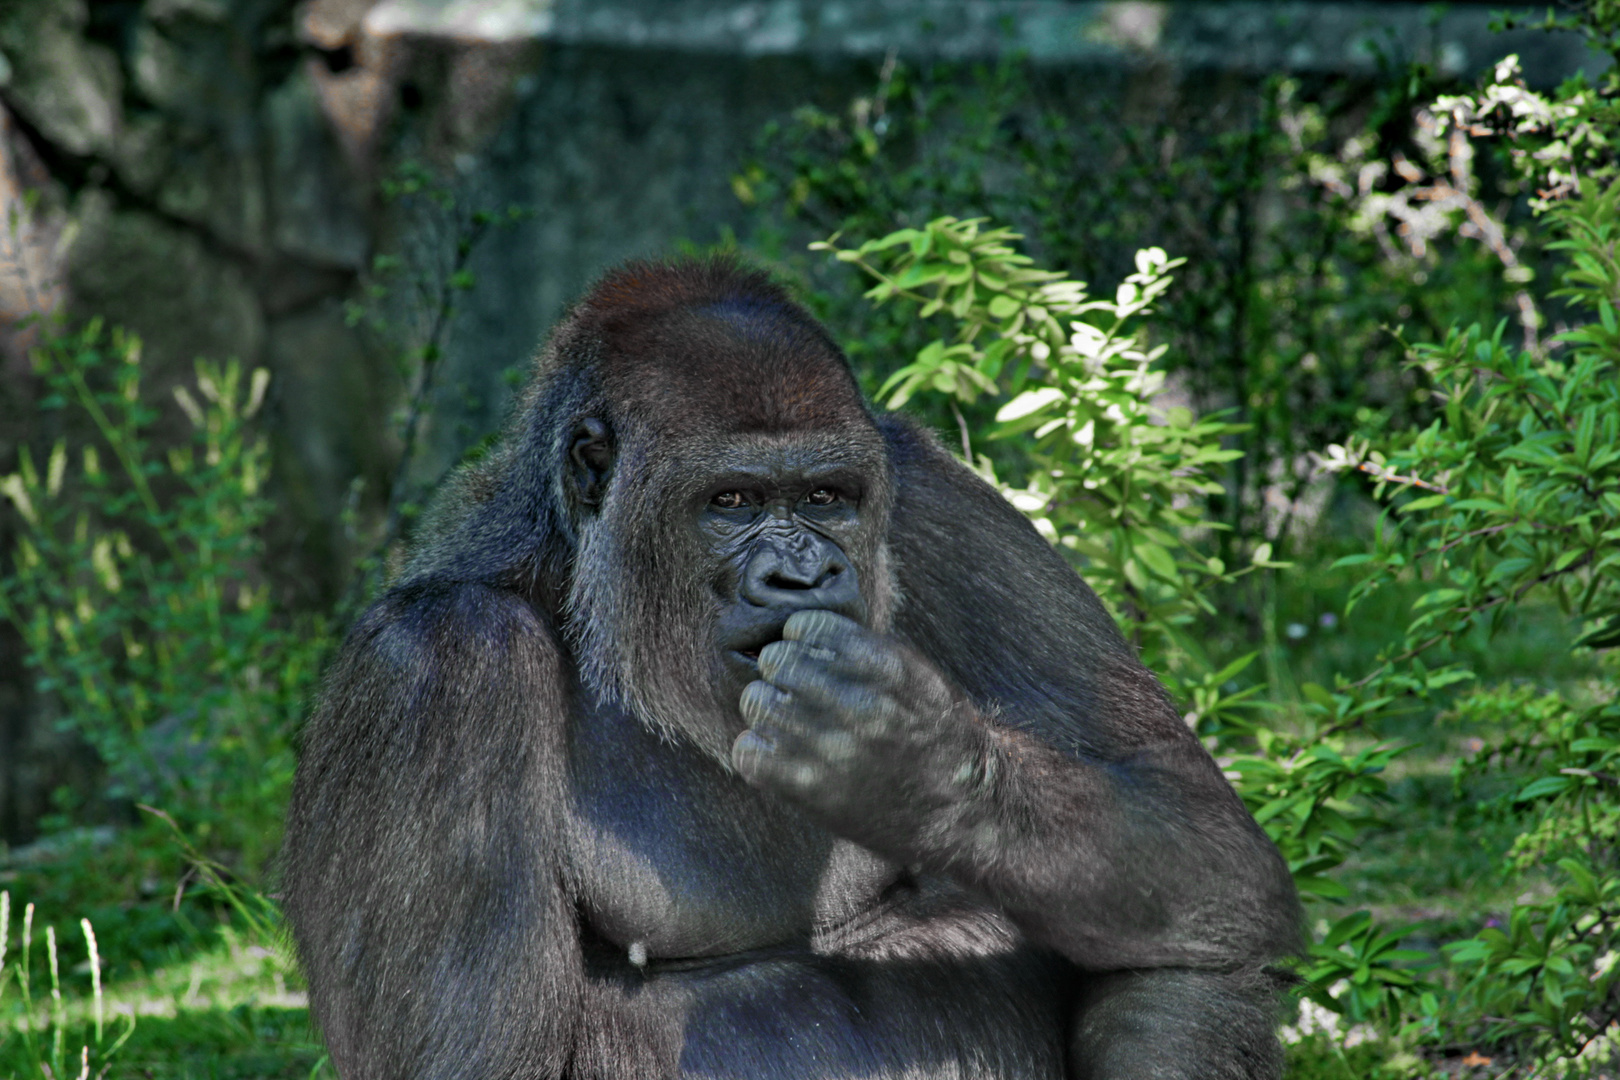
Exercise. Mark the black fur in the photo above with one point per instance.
(720, 728)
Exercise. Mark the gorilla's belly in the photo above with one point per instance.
(812, 1016)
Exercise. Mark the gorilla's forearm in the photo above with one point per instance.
(1146, 862)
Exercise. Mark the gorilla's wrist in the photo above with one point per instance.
(960, 797)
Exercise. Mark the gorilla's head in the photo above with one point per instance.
(719, 471)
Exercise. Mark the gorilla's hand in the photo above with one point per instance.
(861, 731)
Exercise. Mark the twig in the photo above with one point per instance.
(1383, 475)
(967, 444)
(1489, 530)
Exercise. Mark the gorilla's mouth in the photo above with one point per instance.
(741, 647)
(751, 651)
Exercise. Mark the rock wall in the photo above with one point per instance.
(205, 172)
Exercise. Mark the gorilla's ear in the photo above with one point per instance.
(590, 454)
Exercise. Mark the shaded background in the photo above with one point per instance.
(207, 173)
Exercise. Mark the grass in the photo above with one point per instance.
(232, 1010)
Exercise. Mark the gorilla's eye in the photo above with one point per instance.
(821, 497)
(729, 500)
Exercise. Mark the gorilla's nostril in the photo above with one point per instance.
(781, 581)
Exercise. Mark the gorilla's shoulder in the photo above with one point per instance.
(910, 444)
(418, 620)
(433, 670)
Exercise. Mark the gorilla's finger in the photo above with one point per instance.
(770, 758)
(762, 703)
(819, 627)
(836, 746)
(809, 676)
(857, 652)
(795, 666)
(750, 754)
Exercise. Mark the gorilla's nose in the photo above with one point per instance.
(801, 573)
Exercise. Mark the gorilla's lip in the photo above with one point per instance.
(748, 633)
(750, 649)
(751, 652)
(744, 664)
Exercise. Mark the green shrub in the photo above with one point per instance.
(139, 589)
(1301, 242)
(1510, 497)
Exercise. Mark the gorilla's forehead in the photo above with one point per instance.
(737, 368)
(852, 458)
(797, 453)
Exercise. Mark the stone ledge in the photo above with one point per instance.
(1245, 36)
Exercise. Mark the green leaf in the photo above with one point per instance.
(1605, 635)
(1232, 670)
(1029, 402)
(922, 274)
(1547, 785)
(1316, 885)
(1318, 694)
(1003, 307)
(1565, 558)
(1427, 502)
(1158, 560)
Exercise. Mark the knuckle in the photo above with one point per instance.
(891, 665)
(837, 747)
(791, 662)
(804, 775)
(874, 659)
(885, 711)
(802, 624)
(814, 625)
(856, 700)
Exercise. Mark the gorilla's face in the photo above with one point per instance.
(724, 538)
(778, 529)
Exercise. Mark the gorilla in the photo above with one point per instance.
(719, 726)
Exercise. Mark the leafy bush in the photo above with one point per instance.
(1302, 242)
(1510, 496)
(138, 588)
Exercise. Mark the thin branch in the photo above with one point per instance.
(961, 424)
(1476, 609)
(1383, 475)
(1489, 530)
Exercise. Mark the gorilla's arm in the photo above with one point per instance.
(1017, 745)
(419, 873)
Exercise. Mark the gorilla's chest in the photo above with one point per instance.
(668, 850)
